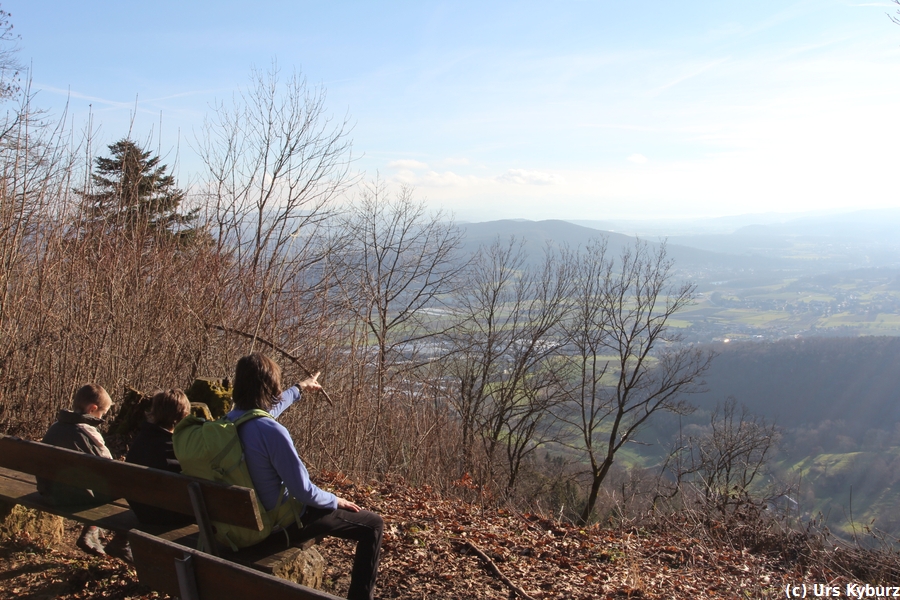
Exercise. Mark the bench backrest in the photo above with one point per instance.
(205, 576)
(224, 503)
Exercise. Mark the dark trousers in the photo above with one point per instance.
(364, 527)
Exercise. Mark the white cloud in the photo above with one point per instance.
(406, 177)
(446, 179)
(525, 177)
(456, 161)
(407, 163)
(443, 179)
(637, 158)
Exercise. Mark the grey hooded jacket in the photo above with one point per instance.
(75, 431)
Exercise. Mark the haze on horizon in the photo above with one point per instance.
(570, 110)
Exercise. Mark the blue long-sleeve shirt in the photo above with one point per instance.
(272, 459)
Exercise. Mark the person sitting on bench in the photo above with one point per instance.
(76, 429)
(274, 466)
(153, 448)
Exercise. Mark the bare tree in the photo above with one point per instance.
(627, 364)
(276, 161)
(730, 455)
(482, 339)
(10, 68)
(36, 166)
(502, 354)
(393, 264)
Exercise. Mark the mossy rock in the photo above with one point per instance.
(214, 393)
(16, 519)
(306, 567)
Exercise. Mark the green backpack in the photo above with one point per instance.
(212, 450)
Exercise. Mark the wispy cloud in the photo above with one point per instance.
(407, 163)
(690, 75)
(637, 158)
(617, 126)
(525, 177)
(137, 102)
(456, 161)
(72, 94)
(447, 179)
(432, 178)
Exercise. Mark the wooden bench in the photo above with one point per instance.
(21, 461)
(191, 575)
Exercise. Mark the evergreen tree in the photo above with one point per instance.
(131, 190)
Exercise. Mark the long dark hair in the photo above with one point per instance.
(257, 382)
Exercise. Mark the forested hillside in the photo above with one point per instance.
(805, 381)
(835, 401)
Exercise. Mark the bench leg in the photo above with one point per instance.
(187, 583)
(207, 535)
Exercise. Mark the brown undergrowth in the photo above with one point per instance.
(438, 547)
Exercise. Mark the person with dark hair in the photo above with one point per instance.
(280, 476)
(153, 448)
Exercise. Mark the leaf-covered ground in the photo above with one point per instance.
(431, 550)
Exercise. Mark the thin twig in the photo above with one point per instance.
(495, 569)
(274, 347)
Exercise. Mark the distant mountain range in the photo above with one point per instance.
(537, 234)
(811, 242)
(842, 223)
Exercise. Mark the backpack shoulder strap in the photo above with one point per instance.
(250, 415)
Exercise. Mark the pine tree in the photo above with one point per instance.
(133, 190)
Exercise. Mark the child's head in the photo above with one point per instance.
(257, 382)
(168, 407)
(91, 399)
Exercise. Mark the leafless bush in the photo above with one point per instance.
(721, 468)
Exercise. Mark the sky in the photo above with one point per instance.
(574, 109)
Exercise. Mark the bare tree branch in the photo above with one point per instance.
(274, 347)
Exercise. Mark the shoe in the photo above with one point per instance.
(120, 548)
(89, 541)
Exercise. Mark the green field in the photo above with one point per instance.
(776, 306)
